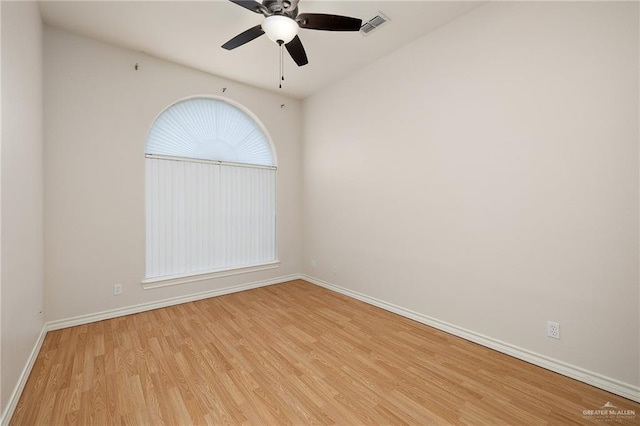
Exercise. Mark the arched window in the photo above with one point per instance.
(210, 193)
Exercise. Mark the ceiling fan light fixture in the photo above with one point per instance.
(280, 28)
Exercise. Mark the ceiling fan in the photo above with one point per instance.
(281, 25)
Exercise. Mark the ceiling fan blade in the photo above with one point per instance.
(296, 50)
(321, 21)
(244, 37)
(251, 5)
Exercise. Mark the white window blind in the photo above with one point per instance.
(209, 129)
(210, 191)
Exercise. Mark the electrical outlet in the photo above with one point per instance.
(117, 289)
(334, 269)
(313, 263)
(553, 330)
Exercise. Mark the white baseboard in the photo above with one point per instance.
(608, 384)
(12, 403)
(594, 379)
(135, 309)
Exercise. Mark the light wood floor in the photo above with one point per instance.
(292, 353)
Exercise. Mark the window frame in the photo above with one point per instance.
(189, 277)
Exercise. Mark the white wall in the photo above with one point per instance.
(486, 175)
(21, 187)
(98, 110)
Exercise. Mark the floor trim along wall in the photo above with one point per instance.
(135, 309)
(12, 403)
(611, 385)
(606, 383)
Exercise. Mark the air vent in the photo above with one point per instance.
(376, 22)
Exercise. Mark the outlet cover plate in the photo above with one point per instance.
(553, 330)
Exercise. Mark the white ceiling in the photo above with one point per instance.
(191, 33)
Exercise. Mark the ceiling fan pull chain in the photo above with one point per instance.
(281, 79)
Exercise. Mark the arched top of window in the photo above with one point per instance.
(209, 129)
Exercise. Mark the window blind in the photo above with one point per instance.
(204, 216)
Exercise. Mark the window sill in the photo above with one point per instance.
(158, 282)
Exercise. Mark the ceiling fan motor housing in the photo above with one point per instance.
(282, 7)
